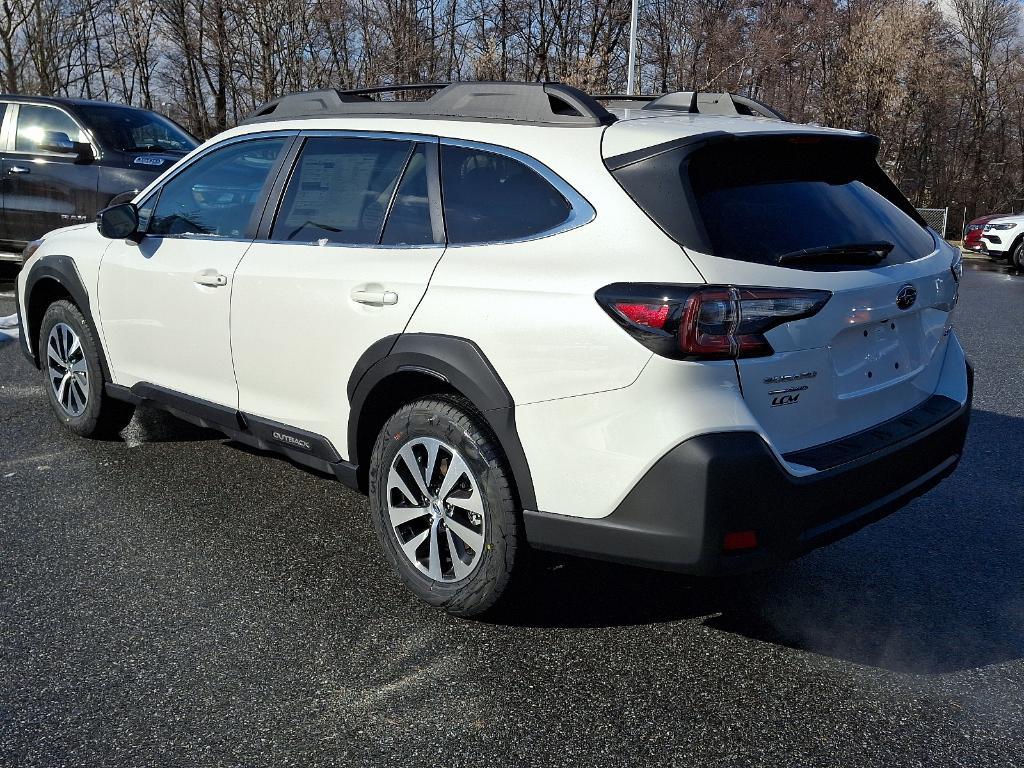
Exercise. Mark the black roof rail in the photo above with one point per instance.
(714, 104)
(533, 103)
(625, 97)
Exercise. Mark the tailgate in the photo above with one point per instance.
(873, 352)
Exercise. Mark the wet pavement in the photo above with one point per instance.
(174, 600)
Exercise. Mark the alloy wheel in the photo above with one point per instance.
(436, 509)
(67, 369)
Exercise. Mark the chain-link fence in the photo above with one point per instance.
(937, 219)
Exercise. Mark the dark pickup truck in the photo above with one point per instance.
(62, 160)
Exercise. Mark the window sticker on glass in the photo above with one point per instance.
(340, 190)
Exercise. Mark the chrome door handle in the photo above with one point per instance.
(375, 298)
(18, 169)
(210, 278)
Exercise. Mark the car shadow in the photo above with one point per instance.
(152, 425)
(933, 589)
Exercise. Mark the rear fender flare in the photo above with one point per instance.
(460, 364)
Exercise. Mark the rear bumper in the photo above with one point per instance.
(677, 516)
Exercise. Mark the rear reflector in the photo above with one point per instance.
(737, 540)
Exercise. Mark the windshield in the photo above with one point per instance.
(136, 130)
(768, 200)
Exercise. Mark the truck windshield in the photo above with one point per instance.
(136, 130)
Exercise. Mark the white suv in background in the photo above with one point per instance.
(681, 333)
(1003, 238)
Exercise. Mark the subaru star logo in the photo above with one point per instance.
(906, 297)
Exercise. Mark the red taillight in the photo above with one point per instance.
(705, 328)
(648, 315)
(706, 322)
(735, 541)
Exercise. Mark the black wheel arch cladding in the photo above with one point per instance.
(61, 270)
(456, 362)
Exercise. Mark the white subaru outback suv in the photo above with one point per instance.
(680, 333)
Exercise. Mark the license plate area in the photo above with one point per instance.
(871, 356)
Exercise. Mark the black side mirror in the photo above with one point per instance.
(57, 141)
(119, 222)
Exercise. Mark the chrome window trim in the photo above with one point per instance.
(581, 212)
(386, 135)
(187, 162)
(13, 131)
(312, 133)
(6, 124)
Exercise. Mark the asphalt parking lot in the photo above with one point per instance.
(174, 600)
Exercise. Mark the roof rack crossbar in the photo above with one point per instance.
(713, 104)
(532, 103)
(625, 97)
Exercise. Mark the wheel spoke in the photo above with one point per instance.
(432, 447)
(403, 515)
(413, 544)
(461, 569)
(472, 539)
(434, 559)
(470, 503)
(79, 392)
(75, 347)
(62, 389)
(52, 357)
(80, 366)
(414, 469)
(395, 481)
(456, 469)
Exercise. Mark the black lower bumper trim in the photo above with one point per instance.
(935, 410)
(677, 516)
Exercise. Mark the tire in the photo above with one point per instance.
(73, 376)
(1016, 257)
(475, 513)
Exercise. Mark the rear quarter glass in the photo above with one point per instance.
(755, 199)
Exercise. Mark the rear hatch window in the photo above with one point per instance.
(803, 202)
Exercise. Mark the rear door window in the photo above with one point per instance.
(341, 190)
(490, 197)
(409, 219)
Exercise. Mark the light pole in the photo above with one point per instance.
(631, 76)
